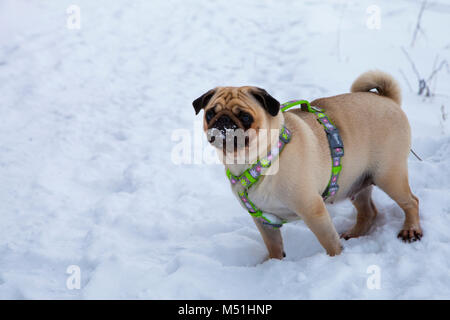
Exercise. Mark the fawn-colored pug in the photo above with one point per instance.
(376, 137)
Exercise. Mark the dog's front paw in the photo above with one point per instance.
(335, 252)
(410, 234)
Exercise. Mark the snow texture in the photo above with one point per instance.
(88, 123)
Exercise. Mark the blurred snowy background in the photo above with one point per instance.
(87, 117)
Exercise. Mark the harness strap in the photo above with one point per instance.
(334, 141)
(251, 176)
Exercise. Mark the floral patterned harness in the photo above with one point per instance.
(251, 176)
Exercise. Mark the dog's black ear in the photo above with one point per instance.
(203, 100)
(269, 103)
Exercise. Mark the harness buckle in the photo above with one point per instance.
(337, 152)
(330, 191)
(336, 144)
(285, 135)
(333, 189)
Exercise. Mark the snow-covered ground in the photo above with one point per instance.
(88, 123)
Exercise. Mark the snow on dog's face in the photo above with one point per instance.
(234, 117)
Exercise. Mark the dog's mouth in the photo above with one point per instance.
(226, 132)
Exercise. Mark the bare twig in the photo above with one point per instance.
(412, 151)
(433, 73)
(424, 84)
(418, 26)
(406, 80)
(413, 65)
(444, 63)
(433, 83)
(444, 115)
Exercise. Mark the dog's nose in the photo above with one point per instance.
(225, 123)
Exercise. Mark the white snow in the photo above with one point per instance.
(86, 165)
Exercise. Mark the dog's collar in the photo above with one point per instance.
(251, 176)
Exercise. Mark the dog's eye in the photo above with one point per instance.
(246, 119)
(210, 114)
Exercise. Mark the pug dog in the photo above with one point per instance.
(376, 137)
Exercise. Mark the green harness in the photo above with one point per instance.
(251, 176)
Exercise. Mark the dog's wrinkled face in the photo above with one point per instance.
(234, 115)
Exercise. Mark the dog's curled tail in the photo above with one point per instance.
(384, 83)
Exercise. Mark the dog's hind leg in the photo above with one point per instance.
(394, 182)
(366, 213)
(272, 239)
